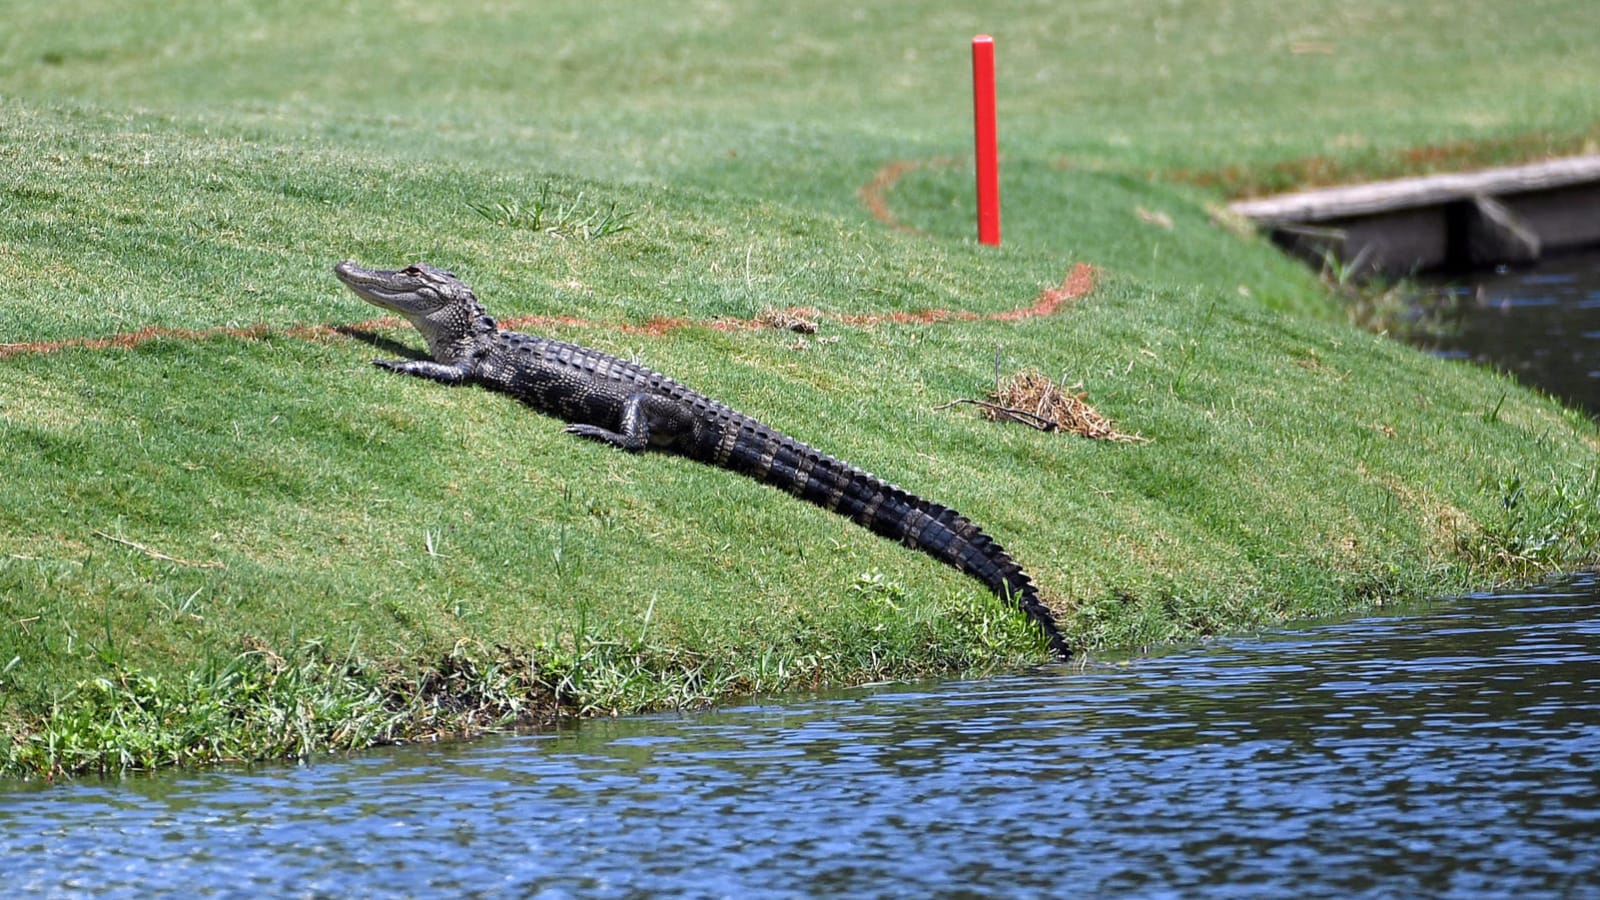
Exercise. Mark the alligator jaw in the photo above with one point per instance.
(442, 309)
(398, 291)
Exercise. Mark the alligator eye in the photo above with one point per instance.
(411, 270)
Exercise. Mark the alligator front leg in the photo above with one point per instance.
(646, 418)
(425, 368)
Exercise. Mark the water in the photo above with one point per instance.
(1541, 324)
(1453, 750)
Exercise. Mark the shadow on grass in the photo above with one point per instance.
(379, 342)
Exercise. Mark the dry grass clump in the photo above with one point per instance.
(799, 319)
(1031, 398)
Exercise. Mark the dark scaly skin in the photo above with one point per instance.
(629, 406)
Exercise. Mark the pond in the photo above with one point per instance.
(1451, 749)
(1541, 324)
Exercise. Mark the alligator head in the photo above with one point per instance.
(443, 309)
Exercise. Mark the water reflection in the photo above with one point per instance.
(1451, 751)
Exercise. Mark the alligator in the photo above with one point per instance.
(627, 405)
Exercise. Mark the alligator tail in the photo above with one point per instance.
(833, 484)
(950, 537)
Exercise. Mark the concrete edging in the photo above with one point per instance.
(1511, 215)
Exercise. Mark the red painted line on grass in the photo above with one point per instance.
(130, 339)
(1077, 284)
(875, 193)
(127, 340)
(921, 317)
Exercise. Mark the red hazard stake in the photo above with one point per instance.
(988, 140)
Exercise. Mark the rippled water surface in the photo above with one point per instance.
(1450, 751)
(1540, 324)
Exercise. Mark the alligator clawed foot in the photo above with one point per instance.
(607, 436)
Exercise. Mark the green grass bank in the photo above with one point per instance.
(224, 536)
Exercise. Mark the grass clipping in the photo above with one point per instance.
(1031, 398)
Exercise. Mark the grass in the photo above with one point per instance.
(557, 216)
(246, 543)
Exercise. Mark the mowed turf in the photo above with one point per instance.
(225, 535)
